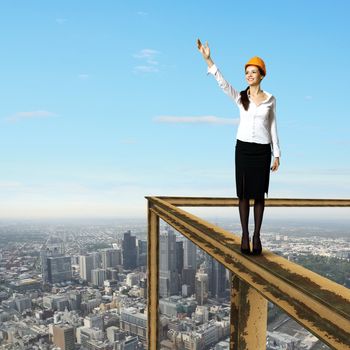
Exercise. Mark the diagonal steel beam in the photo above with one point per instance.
(320, 305)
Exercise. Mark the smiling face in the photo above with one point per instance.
(253, 75)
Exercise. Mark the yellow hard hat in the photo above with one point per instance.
(256, 61)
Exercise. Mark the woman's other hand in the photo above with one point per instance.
(276, 164)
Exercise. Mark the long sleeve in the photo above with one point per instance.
(273, 131)
(224, 84)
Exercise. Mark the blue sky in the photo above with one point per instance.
(88, 89)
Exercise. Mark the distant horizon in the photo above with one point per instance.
(339, 216)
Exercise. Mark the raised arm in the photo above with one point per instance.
(212, 69)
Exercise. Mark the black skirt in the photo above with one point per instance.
(252, 162)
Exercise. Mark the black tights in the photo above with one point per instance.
(259, 205)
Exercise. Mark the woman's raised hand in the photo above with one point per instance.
(203, 49)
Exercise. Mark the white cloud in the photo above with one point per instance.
(29, 115)
(147, 54)
(308, 97)
(148, 57)
(142, 13)
(196, 120)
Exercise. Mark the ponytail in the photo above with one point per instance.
(244, 98)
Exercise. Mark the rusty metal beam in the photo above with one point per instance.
(270, 202)
(320, 305)
(152, 279)
(248, 317)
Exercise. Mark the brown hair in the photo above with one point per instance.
(244, 98)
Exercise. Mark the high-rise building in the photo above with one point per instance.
(217, 277)
(188, 278)
(201, 287)
(179, 256)
(86, 264)
(59, 269)
(141, 252)
(75, 300)
(96, 260)
(63, 337)
(189, 264)
(44, 253)
(51, 248)
(168, 275)
(110, 258)
(98, 276)
(112, 274)
(129, 251)
(190, 255)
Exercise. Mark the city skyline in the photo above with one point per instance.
(105, 103)
(47, 297)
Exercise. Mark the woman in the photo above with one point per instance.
(256, 135)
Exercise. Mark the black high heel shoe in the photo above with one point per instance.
(245, 250)
(257, 248)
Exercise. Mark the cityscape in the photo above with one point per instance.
(84, 286)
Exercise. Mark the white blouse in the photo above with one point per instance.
(258, 123)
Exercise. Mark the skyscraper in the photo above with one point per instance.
(179, 256)
(86, 264)
(217, 277)
(110, 258)
(96, 258)
(52, 247)
(129, 251)
(189, 264)
(59, 269)
(168, 275)
(75, 300)
(190, 255)
(141, 252)
(201, 287)
(98, 276)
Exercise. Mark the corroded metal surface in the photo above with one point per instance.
(269, 202)
(234, 317)
(152, 279)
(248, 317)
(320, 305)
